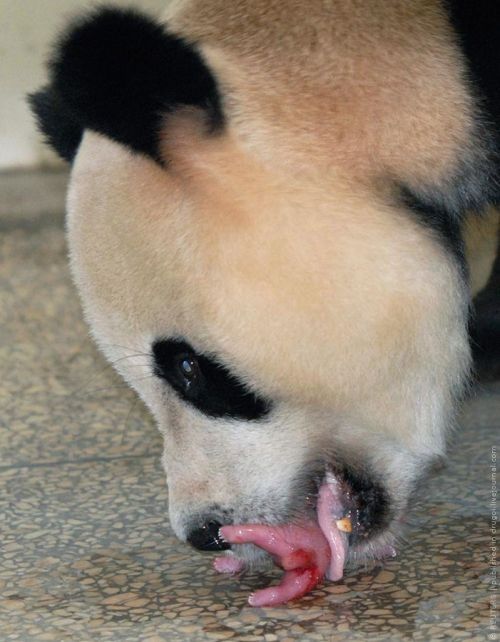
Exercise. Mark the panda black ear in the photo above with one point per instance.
(118, 72)
(56, 122)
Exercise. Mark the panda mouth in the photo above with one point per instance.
(307, 551)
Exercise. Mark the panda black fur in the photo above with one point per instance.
(478, 29)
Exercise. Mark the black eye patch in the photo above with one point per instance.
(205, 383)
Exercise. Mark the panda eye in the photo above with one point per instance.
(188, 368)
(204, 382)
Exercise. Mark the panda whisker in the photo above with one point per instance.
(118, 386)
(104, 370)
(131, 350)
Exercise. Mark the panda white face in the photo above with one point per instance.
(244, 332)
(277, 270)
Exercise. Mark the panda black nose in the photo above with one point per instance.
(207, 538)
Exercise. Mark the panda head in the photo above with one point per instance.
(284, 322)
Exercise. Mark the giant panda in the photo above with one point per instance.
(278, 217)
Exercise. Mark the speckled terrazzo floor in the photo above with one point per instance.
(86, 552)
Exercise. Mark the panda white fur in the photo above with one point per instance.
(277, 217)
